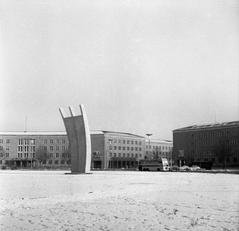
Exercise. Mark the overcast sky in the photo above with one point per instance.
(137, 66)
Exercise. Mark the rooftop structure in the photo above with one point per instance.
(208, 126)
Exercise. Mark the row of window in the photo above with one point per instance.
(50, 162)
(125, 148)
(26, 141)
(125, 155)
(4, 155)
(51, 155)
(158, 153)
(158, 147)
(1, 148)
(219, 160)
(51, 148)
(7, 141)
(26, 148)
(136, 142)
(57, 141)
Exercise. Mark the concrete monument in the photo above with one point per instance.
(78, 134)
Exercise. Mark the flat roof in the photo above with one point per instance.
(122, 133)
(41, 133)
(209, 126)
(160, 141)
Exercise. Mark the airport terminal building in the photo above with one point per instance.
(50, 149)
(210, 144)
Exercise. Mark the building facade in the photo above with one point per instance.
(155, 149)
(215, 144)
(50, 149)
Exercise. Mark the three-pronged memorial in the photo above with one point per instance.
(78, 134)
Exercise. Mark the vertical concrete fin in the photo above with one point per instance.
(62, 112)
(72, 113)
(87, 136)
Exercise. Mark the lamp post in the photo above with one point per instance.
(149, 134)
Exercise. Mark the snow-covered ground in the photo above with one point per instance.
(118, 200)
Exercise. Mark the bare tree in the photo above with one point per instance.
(42, 154)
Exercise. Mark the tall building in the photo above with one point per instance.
(50, 149)
(210, 144)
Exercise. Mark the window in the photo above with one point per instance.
(123, 141)
(140, 142)
(127, 154)
(62, 162)
(1, 148)
(136, 142)
(8, 141)
(136, 149)
(1, 154)
(63, 148)
(45, 148)
(51, 141)
(45, 141)
(132, 142)
(56, 161)
(123, 154)
(57, 148)
(119, 147)
(50, 162)
(110, 147)
(114, 154)
(140, 149)
(119, 154)
(128, 148)
(123, 148)
(132, 148)
(63, 141)
(132, 154)
(51, 148)
(51, 155)
(32, 141)
(1, 141)
(57, 155)
(20, 142)
(119, 141)
(115, 147)
(127, 141)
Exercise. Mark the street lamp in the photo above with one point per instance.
(149, 134)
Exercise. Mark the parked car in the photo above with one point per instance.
(174, 168)
(184, 168)
(195, 168)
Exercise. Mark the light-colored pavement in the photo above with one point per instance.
(51, 200)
